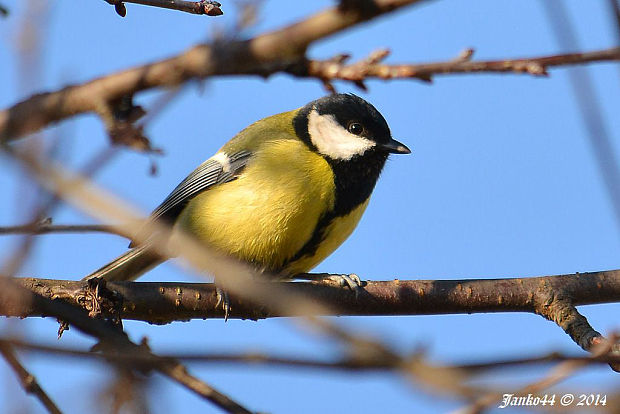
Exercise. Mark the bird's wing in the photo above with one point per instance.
(216, 170)
(211, 172)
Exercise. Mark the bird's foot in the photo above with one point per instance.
(223, 300)
(352, 281)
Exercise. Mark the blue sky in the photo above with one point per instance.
(502, 182)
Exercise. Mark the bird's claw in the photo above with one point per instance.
(352, 281)
(224, 301)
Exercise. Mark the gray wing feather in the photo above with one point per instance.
(208, 174)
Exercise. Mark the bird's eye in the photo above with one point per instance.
(356, 128)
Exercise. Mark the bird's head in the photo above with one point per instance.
(342, 127)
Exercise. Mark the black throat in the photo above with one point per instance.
(355, 179)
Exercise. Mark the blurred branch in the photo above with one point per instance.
(256, 57)
(278, 51)
(208, 7)
(558, 373)
(615, 11)
(562, 365)
(104, 302)
(589, 106)
(345, 364)
(234, 276)
(112, 339)
(46, 227)
(126, 392)
(263, 55)
(27, 380)
(553, 297)
(31, 40)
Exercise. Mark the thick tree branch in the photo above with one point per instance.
(553, 297)
(112, 339)
(260, 56)
(263, 55)
(279, 51)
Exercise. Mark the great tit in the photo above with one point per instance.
(282, 194)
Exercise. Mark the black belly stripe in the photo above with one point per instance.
(311, 246)
(354, 181)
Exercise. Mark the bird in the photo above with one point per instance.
(282, 194)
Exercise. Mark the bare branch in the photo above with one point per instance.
(256, 57)
(290, 301)
(562, 365)
(28, 381)
(46, 228)
(345, 364)
(371, 67)
(233, 275)
(279, 51)
(553, 297)
(163, 302)
(284, 50)
(112, 340)
(207, 7)
(266, 54)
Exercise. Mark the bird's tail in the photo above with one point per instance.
(128, 266)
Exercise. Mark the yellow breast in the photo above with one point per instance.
(266, 215)
(335, 234)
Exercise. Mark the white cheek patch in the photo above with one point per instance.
(223, 160)
(332, 140)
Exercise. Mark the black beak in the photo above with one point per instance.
(394, 147)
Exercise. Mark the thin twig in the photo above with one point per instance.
(558, 373)
(44, 228)
(211, 358)
(265, 54)
(27, 380)
(371, 67)
(345, 364)
(204, 7)
(44, 109)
